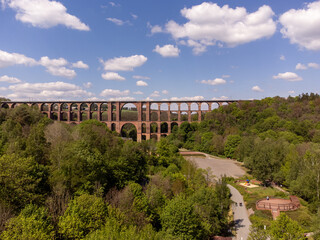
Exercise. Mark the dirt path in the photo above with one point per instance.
(219, 166)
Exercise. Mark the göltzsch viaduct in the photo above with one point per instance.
(152, 119)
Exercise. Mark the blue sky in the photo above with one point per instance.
(148, 49)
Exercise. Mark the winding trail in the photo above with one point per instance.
(230, 168)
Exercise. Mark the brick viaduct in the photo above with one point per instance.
(152, 119)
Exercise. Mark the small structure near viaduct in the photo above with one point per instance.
(152, 119)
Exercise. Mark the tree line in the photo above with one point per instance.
(60, 181)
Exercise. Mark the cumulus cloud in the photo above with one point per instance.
(10, 59)
(288, 76)
(217, 81)
(80, 64)
(114, 93)
(301, 66)
(116, 21)
(122, 99)
(282, 58)
(112, 76)
(155, 94)
(8, 79)
(221, 98)
(291, 92)
(87, 85)
(56, 67)
(46, 91)
(301, 26)
(209, 24)
(167, 50)
(256, 89)
(195, 98)
(140, 77)
(124, 63)
(155, 28)
(141, 83)
(44, 14)
(138, 93)
(165, 92)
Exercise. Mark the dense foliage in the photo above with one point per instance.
(278, 139)
(60, 181)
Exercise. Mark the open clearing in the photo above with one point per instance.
(219, 166)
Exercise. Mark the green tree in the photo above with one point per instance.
(231, 145)
(32, 223)
(283, 228)
(84, 215)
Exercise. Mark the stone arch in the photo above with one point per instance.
(225, 104)
(184, 107)
(194, 106)
(154, 107)
(64, 116)
(74, 116)
(45, 107)
(153, 127)
(14, 105)
(214, 105)
(144, 112)
(113, 112)
(173, 107)
(194, 116)
(184, 116)
(164, 108)
(113, 127)
(129, 112)
(35, 106)
(154, 116)
(143, 137)
(4, 105)
(104, 116)
(129, 130)
(45, 114)
(94, 115)
(64, 107)
(55, 107)
(74, 107)
(143, 128)
(164, 127)
(163, 135)
(104, 107)
(173, 116)
(84, 116)
(84, 107)
(54, 116)
(204, 106)
(173, 125)
(93, 107)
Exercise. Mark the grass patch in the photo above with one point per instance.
(302, 216)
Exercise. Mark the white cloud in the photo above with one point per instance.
(217, 81)
(288, 76)
(165, 92)
(80, 64)
(314, 65)
(114, 93)
(113, 4)
(87, 85)
(155, 94)
(282, 57)
(155, 28)
(3, 89)
(167, 50)
(134, 16)
(62, 72)
(220, 98)
(10, 59)
(301, 66)
(45, 14)
(209, 24)
(112, 76)
(291, 92)
(301, 26)
(141, 83)
(140, 77)
(116, 21)
(138, 93)
(256, 89)
(46, 91)
(57, 67)
(226, 76)
(124, 63)
(122, 99)
(8, 79)
(195, 98)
